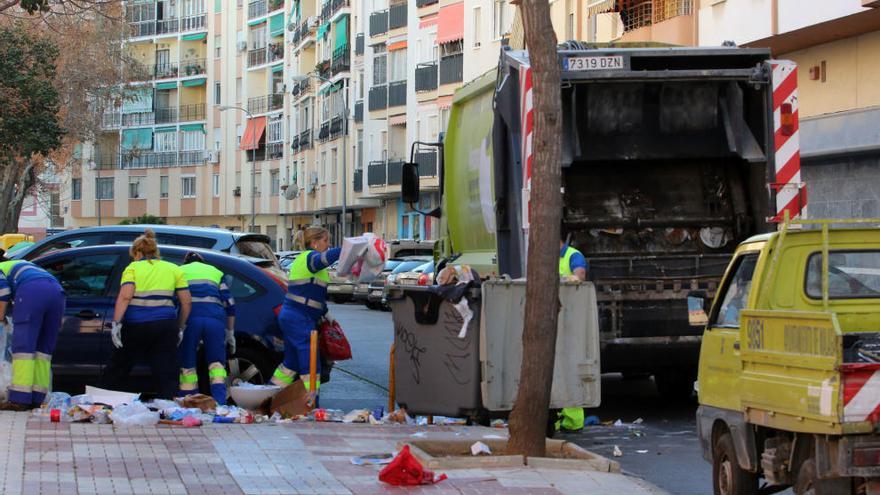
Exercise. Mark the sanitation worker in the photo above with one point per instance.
(146, 321)
(305, 304)
(572, 264)
(38, 305)
(211, 321)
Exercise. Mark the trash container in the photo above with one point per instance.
(437, 370)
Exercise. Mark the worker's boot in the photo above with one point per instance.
(14, 406)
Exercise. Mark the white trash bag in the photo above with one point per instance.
(134, 414)
(362, 257)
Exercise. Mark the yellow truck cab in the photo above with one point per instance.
(789, 371)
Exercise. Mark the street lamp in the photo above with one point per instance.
(344, 112)
(223, 108)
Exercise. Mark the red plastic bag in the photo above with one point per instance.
(332, 342)
(406, 470)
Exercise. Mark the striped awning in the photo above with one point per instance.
(397, 120)
(599, 6)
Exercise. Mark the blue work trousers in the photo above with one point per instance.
(296, 328)
(36, 317)
(211, 331)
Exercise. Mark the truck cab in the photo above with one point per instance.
(789, 370)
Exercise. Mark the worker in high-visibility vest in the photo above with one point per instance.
(572, 265)
(212, 321)
(304, 305)
(146, 310)
(37, 308)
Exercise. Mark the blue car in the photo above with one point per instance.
(90, 277)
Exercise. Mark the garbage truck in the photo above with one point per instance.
(668, 163)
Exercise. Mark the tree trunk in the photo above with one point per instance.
(17, 179)
(528, 420)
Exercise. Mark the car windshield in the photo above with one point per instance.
(407, 266)
(851, 275)
(390, 265)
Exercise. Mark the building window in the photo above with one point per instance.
(166, 141)
(258, 178)
(163, 186)
(360, 149)
(275, 182)
(477, 22)
(215, 185)
(275, 131)
(192, 141)
(398, 65)
(104, 187)
(217, 46)
(76, 189)
(136, 187)
(188, 186)
(380, 65)
(323, 167)
(258, 37)
(501, 18)
(334, 175)
(216, 93)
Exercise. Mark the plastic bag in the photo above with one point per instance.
(57, 400)
(362, 257)
(135, 414)
(333, 344)
(406, 470)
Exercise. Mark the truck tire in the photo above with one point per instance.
(677, 385)
(728, 478)
(808, 482)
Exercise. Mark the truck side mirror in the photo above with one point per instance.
(696, 301)
(409, 183)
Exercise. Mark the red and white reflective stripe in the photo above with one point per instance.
(526, 126)
(790, 194)
(861, 395)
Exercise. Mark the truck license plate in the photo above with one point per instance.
(611, 62)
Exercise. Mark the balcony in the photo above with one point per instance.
(668, 9)
(138, 119)
(275, 5)
(263, 104)
(638, 16)
(426, 77)
(193, 67)
(166, 115)
(301, 88)
(258, 8)
(425, 3)
(326, 11)
(257, 57)
(305, 139)
(359, 44)
(359, 111)
(323, 69)
(338, 5)
(301, 32)
(341, 60)
(275, 151)
(335, 127)
(165, 70)
(397, 16)
(143, 28)
(451, 69)
(189, 113)
(378, 23)
(138, 159)
(427, 161)
(395, 172)
(378, 98)
(294, 143)
(376, 174)
(193, 22)
(397, 93)
(324, 131)
(167, 26)
(111, 120)
(358, 180)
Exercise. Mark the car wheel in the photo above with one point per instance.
(808, 482)
(373, 306)
(250, 364)
(728, 478)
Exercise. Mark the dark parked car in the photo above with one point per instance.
(90, 277)
(255, 245)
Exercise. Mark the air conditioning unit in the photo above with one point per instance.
(241, 46)
(212, 156)
(237, 191)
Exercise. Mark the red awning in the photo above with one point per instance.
(252, 133)
(450, 26)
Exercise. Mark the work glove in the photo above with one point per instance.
(329, 318)
(230, 340)
(180, 335)
(116, 334)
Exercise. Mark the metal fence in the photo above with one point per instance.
(341, 60)
(451, 69)
(376, 173)
(359, 111)
(166, 26)
(637, 16)
(378, 23)
(395, 172)
(267, 103)
(426, 77)
(257, 8)
(427, 161)
(378, 98)
(138, 119)
(667, 9)
(397, 16)
(188, 113)
(396, 93)
(193, 67)
(257, 57)
(359, 44)
(193, 22)
(275, 150)
(358, 180)
(166, 115)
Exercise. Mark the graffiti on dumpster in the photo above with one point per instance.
(452, 324)
(411, 347)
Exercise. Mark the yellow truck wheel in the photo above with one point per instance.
(728, 478)
(809, 484)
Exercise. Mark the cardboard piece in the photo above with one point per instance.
(110, 397)
(291, 401)
(201, 401)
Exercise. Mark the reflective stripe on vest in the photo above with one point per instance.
(308, 302)
(199, 273)
(207, 299)
(565, 261)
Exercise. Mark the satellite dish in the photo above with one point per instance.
(291, 192)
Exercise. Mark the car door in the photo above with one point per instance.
(82, 341)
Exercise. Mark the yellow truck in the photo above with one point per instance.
(789, 371)
(9, 240)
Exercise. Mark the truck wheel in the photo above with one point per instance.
(728, 478)
(808, 482)
(676, 385)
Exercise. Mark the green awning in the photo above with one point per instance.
(322, 29)
(294, 13)
(194, 37)
(166, 129)
(138, 100)
(341, 33)
(189, 83)
(137, 139)
(330, 89)
(217, 6)
(278, 68)
(167, 85)
(193, 127)
(276, 24)
(257, 22)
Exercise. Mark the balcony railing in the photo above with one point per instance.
(335, 127)
(359, 44)
(326, 11)
(257, 57)
(193, 67)
(427, 161)
(378, 98)
(323, 69)
(395, 172)
(166, 115)
(301, 88)
(451, 69)
(637, 16)
(137, 159)
(263, 104)
(165, 70)
(294, 143)
(138, 119)
(276, 51)
(188, 113)
(305, 139)
(358, 180)
(167, 26)
(425, 3)
(396, 93)
(111, 120)
(359, 111)
(144, 28)
(338, 5)
(275, 5)
(667, 9)
(275, 150)
(397, 16)
(257, 8)
(301, 32)
(376, 173)
(378, 23)
(193, 22)
(341, 60)
(324, 131)
(426, 77)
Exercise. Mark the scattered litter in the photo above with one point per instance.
(399, 416)
(638, 421)
(617, 452)
(57, 400)
(372, 459)
(406, 470)
(82, 399)
(642, 451)
(357, 416)
(637, 433)
(134, 414)
(480, 448)
(498, 423)
(419, 434)
(591, 421)
(110, 397)
(618, 423)
(201, 401)
(493, 437)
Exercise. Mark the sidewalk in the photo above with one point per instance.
(48, 458)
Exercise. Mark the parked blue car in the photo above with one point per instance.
(90, 277)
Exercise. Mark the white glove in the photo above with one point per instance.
(329, 318)
(8, 327)
(116, 334)
(180, 335)
(230, 340)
